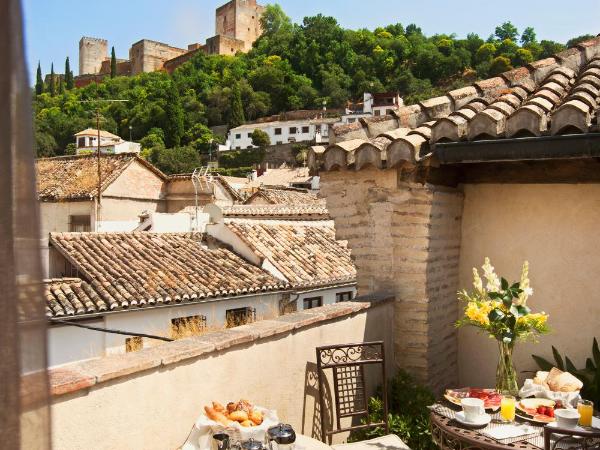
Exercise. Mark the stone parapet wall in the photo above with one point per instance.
(150, 399)
(405, 241)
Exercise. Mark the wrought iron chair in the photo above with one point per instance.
(572, 439)
(347, 365)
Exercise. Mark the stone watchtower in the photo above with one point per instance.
(240, 19)
(92, 51)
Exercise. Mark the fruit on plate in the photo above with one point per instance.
(541, 409)
(491, 398)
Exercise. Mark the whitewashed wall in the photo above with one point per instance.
(68, 343)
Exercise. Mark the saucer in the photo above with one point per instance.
(481, 421)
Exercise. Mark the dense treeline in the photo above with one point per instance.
(292, 66)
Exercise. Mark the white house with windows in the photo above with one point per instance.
(379, 104)
(282, 132)
(86, 141)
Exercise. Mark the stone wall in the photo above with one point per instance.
(405, 241)
(92, 52)
(239, 19)
(150, 399)
(149, 56)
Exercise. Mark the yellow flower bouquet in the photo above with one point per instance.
(500, 309)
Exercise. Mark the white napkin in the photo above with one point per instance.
(509, 431)
(531, 389)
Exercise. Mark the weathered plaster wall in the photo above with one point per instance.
(151, 399)
(555, 228)
(405, 241)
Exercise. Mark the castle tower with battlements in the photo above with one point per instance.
(240, 19)
(92, 52)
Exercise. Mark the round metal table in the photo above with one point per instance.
(447, 435)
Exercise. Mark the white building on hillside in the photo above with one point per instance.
(379, 104)
(281, 132)
(86, 141)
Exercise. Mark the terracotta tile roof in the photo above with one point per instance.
(306, 255)
(283, 177)
(216, 178)
(137, 269)
(557, 95)
(278, 211)
(94, 133)
(71, 296)
(282, 195)
(76, 177)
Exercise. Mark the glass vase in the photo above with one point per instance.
(506, 375)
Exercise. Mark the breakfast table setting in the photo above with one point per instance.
(546, 412)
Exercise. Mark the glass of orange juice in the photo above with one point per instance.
(585, 408)
(507, 408)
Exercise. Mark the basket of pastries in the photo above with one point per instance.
(554, 385)
(241, 420)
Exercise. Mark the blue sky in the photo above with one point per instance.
(54, 27)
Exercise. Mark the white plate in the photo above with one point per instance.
(480, 422)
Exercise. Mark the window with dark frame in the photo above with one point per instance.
(80, 142)
(80, 224)
(313, 302)
(238, 136)
(239, 316)
(277, 131)
(344, 296)
(187, 326)
(293, 130)
(71, 271)
(305, 129)
(134, 344)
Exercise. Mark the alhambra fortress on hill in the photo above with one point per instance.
(237, 25)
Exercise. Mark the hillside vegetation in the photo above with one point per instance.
(292, 66)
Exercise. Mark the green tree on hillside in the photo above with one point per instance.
(584, 37)
(113, 63)
(175, 117)
(237, 109)
(68, 75)
(52, 84)
(506, 31)
(39, 81)
(528, 37)
(260, 139)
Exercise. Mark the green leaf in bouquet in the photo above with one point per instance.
(516, 285)
(511, 321)
(507, 301)
(589, 364)
(520, 310)
(504, 284)
(495, 315)
(495, 295)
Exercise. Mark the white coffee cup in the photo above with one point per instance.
(473, 408)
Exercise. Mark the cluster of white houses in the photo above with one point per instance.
(314, 127)
(154, 255)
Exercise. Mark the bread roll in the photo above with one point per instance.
(560, 381)
(217, 416)
(218, 407)
(239, 416)
(256, 417)
(247, 423)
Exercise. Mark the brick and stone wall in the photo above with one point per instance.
(149, 56)
(239, 19)
(405, 241)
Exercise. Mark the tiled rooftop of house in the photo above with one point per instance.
(216, 178)
(137, 269)
(553, 96)
(76, 177)
(278, 211)
(306, 255)
(284, 195)
(283, 176)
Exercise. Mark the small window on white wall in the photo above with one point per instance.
(344, 296)
(182, 327)
(313, 302)
(134, 344)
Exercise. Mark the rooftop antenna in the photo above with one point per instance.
(201, 178)
(99, 187)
